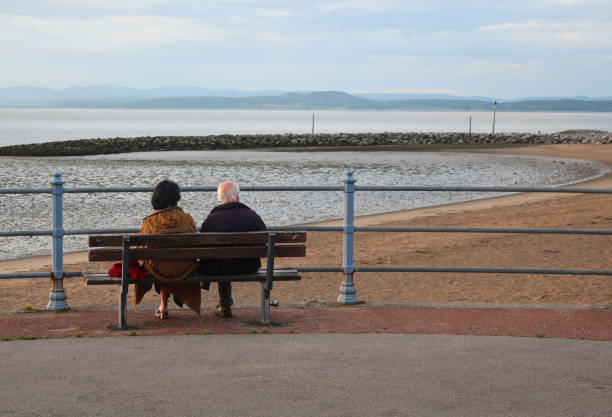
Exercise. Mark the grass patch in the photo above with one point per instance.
(29, 308)
(206, 332)
(253, 331)
(292, 331)
(541, 335)
(188, 332)
(5, 339)
(27, 337)
(79, 335)
(132, 333)
(264, 331)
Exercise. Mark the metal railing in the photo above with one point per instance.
(347, 289)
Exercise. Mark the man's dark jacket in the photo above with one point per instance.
(231, 217)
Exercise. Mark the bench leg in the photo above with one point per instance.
(122, 308)
(125, 279)
(265, 303)
(267, 285)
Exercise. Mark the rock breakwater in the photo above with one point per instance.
(289, 140)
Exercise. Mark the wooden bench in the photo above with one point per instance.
(198, 246)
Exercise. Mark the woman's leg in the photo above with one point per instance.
(163, 295)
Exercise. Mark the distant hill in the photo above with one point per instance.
(558, 105)
(291, 101)
(202, 98)
(107, 95)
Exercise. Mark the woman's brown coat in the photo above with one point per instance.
(170, 220)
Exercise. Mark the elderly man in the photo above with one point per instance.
(230, 216)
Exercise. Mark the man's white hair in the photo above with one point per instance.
(228, 192)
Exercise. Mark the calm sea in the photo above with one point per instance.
(208, 168)
(19, 126)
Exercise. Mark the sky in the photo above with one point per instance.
(508, 49)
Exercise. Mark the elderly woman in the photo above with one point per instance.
(169, 218)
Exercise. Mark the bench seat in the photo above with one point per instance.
(102, 277)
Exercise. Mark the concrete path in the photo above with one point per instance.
(306, 375)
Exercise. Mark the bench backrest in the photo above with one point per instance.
(197, 245)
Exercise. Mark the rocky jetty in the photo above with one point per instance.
(289, 140)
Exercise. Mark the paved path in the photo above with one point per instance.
(306, 375)
(380, 361)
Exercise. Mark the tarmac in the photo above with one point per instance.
(314, 360)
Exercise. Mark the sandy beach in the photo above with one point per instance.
(417, 249)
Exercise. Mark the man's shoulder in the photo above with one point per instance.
(230, 206)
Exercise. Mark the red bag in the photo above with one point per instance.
(137, 272)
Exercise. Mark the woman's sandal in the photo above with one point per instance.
(163, 315)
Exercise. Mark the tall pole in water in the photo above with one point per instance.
(470, 126)
(494, 109)
(313, 125)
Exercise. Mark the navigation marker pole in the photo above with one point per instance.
(313, 125)
(470, 126)
(494, 109)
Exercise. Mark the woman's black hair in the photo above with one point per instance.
(166, 194)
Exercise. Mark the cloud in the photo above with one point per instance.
(118, 34)
(564, 36)
(274, 13)
(360, 5)
(393, 6)
(509, 25)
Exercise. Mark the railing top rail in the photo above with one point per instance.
(572, 190)
(500, 189)
(203, 189)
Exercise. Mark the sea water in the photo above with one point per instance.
(252, 168)
(18, 126)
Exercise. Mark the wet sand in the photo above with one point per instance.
(418, 249)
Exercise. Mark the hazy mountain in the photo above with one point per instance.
(204, 98)
(435, 96)
(558, 105)
(295, 101)
(411, 96)
(46, 97)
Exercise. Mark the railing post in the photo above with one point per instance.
(347, 289)
(57, 296)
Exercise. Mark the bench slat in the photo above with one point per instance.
(102, 278)
(196, 239)
(218, 252)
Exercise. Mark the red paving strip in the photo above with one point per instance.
(594, 324)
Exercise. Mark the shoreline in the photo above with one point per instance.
(589, 152)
